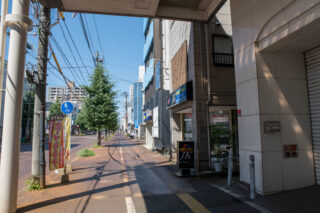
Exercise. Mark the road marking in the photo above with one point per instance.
(130, 205)
(242, 199)
(192, 203)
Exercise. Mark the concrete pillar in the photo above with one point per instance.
(19, 23)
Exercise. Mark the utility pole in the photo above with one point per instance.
(20, 24)
(125, 94)
(38, 139)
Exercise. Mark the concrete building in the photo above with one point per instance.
(142, 70)
(203, 97)
(277, 55)
(156, 90)
(137, 104)
(64, 93)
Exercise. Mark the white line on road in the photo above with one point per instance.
(249, 203)
(130, 205)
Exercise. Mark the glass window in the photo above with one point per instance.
(223, 50)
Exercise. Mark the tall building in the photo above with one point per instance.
(137, 104)
(142, 70)
(156, 89)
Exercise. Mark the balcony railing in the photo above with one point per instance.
(223, 59)
(149, 42)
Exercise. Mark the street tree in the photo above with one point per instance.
(99, 111)
(55, 108)
(27, 114)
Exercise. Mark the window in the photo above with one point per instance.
(223, 51)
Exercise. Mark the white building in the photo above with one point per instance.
(64, 93)
(142, 70)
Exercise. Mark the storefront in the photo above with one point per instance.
(223, 134)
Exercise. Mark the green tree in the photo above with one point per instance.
(27, 114)
(99, 110)
(80, 120)
(55, 108)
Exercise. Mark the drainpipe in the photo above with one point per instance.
(20, 24)
(3, 37)
(209, 89)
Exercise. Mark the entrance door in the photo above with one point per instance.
(187, 127)
(312, 59)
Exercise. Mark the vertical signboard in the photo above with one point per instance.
(186, 154)
(56, 142)
(67, 125)
(155, 127)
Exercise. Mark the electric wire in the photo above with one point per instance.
(75, 46)
(97, 31)
(88, 30)
(70, 49)
(66, 60)
(86, 37)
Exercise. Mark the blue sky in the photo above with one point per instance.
(121, 41)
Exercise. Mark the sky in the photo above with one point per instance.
(121, 40)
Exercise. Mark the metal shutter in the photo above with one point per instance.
(312, 59)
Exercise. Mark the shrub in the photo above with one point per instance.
(33, 184)
(86, 153)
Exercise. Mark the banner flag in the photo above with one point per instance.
(56, 142)
(68, 137)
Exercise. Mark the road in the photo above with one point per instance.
(125, 177)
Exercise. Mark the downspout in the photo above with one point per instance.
(209, 91)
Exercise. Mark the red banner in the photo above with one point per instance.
(56, 143)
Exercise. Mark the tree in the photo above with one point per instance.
(80, 120)
(99, 109)
(27, 113)
(55, 108)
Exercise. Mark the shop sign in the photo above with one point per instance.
(155, 127)
(147, 116)
(181, 95)
(186, 154)
(290, 151)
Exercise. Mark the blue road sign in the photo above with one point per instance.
(67, 107)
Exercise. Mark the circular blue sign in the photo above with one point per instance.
(67, 107)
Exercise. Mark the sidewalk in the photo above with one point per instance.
(124, 175)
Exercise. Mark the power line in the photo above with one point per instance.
(95, 24)
(74, 44)
(65, 58)
(70, 49)
(88, 29)
(86, 37)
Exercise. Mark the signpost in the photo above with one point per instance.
(185, 157)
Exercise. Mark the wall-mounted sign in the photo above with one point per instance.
(181, 95)
(157, 76)
(147, 116)
(186, 154)
(290, 151)
(272, 126)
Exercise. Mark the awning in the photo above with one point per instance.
(193, 10)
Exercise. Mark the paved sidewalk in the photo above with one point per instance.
(125, 177)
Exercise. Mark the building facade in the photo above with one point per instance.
(277, 62)
(65, 93)
(202, 102)
(156, 89)
(137, 104)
